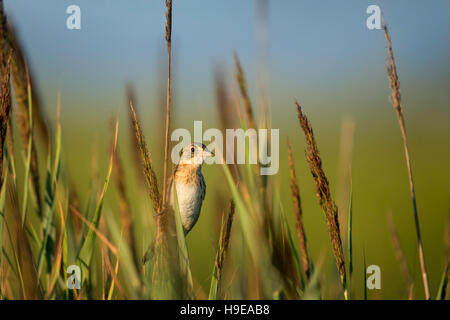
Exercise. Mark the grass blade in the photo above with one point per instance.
(50, 192)
(442, 291)
(87, 248)
(293, 248)
(29, 155)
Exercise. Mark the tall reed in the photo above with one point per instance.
(394, 84)
(168, 97)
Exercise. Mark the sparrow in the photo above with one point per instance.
(189, 184)
(190, 188)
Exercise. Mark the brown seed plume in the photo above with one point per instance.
(225, 234)
(323, 193)
(5, 87)
(21, 80)
(146, 159)
(19, 70)
(131, 98)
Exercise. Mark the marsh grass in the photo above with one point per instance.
(257, 254)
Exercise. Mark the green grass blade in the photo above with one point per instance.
(48, 228)
(87, 248)
(312, 290)
(442, 291)
(50, 194)
(256, 243)
(126, 260)
(28, 159)
(292, 245)
(214, 285)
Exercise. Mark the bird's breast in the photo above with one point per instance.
(190, 198)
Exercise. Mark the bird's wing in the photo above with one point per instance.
(202, 188)
(170, 184)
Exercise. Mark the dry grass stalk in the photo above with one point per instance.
(225, 233)
(400, 255)
(240, 77)
(295, 192)
(168, 97)
(324, 195)
(394, 84)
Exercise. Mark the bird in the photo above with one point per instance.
(190, 188)
(189, 184)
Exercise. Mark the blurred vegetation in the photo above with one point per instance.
(86, 204)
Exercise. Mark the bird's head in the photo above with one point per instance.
(194, 154)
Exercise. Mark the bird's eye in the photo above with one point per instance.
(192, 150)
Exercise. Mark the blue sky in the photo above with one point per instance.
(315, 46)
